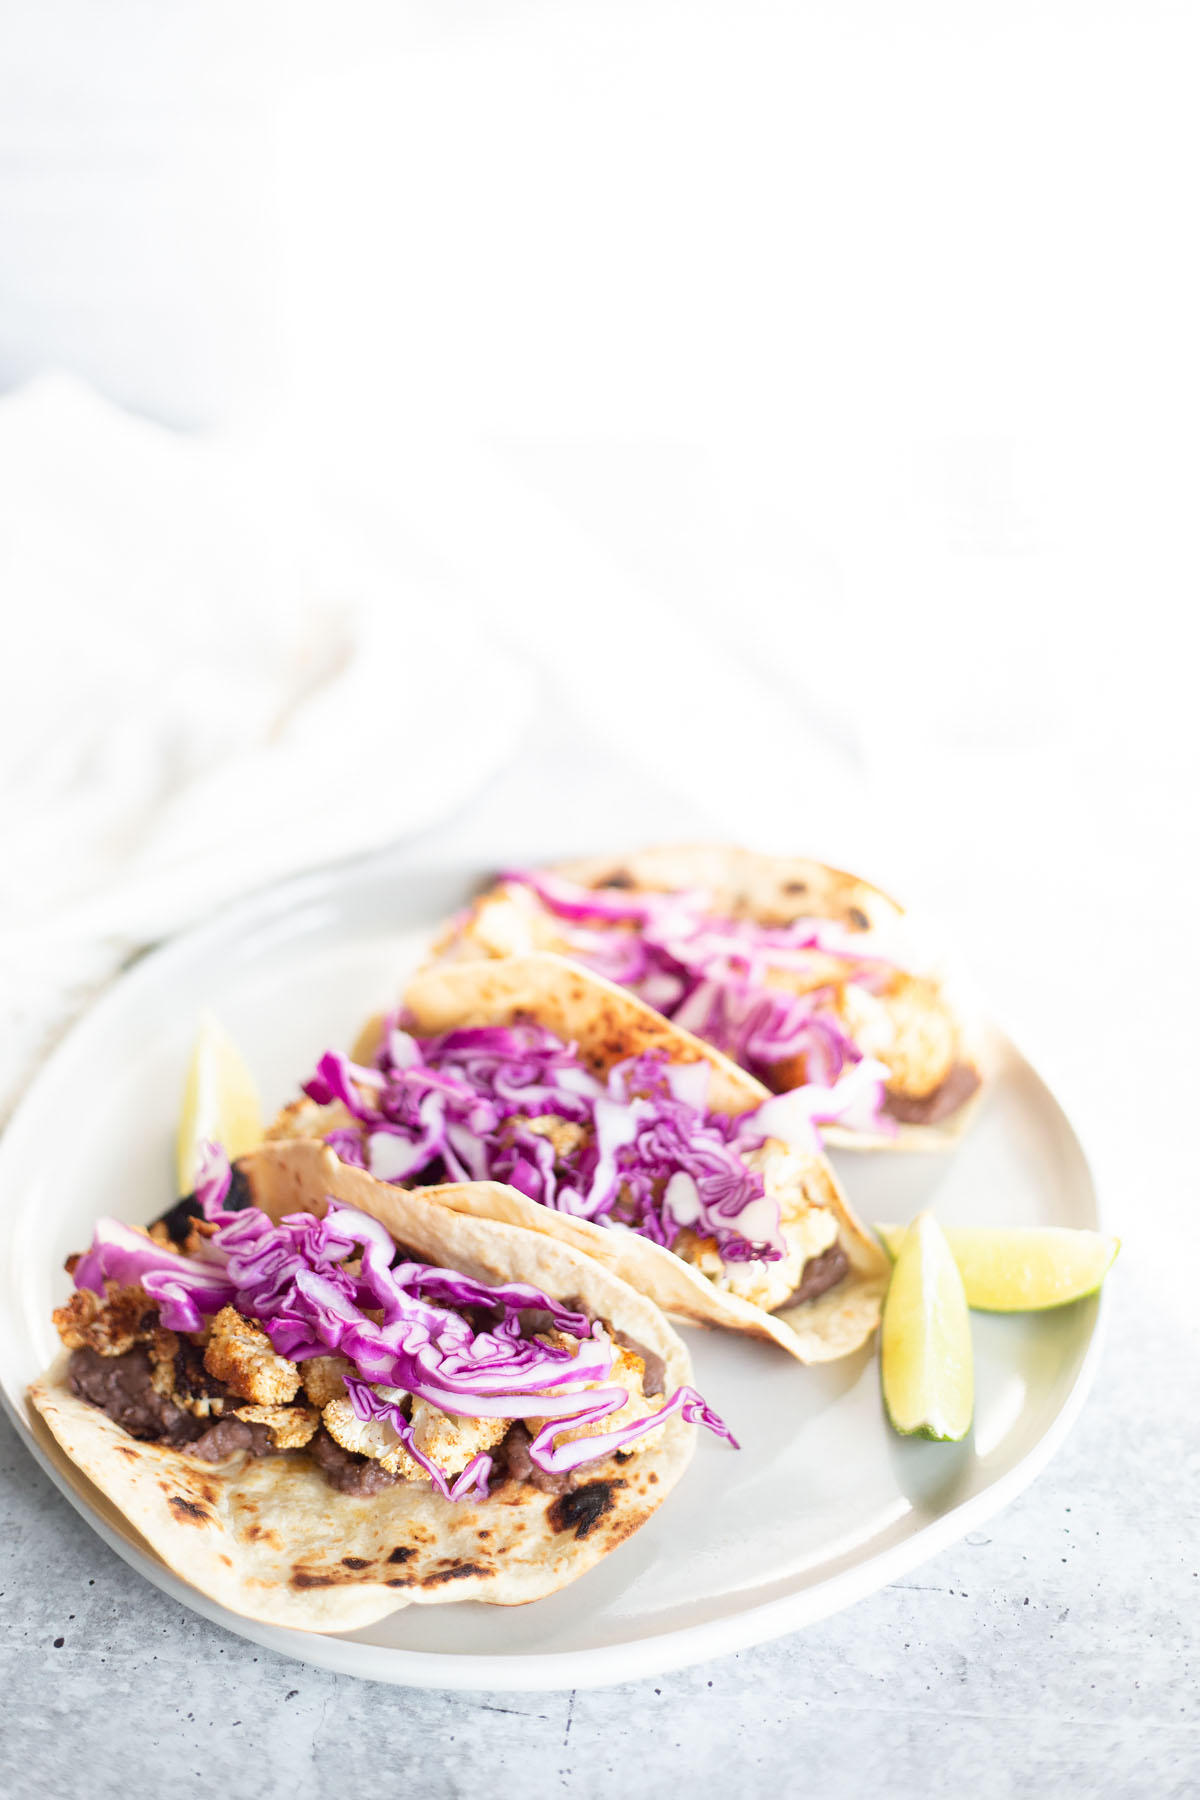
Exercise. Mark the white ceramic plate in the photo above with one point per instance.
(822, 1505)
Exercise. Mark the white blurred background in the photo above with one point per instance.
(619, 420)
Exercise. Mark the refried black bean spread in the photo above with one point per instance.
(122, 1387)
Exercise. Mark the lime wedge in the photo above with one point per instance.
(1023, 1269)
(220, 1102)
(928, 1378)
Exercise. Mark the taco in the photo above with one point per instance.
(803, 974)
(622, 1135)
(332, 1400)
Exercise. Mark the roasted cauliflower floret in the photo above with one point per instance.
(909, 1027)
(447, 1441)
(164, 1348)
(450, 1441)
(371, 1437)
(797, 1180)
(124, 1317)
(323, 1378)
(240, 1355)
(867, 1019)
(627, 1371)
(566, 1135)
(290, 1426)
(924, 1037)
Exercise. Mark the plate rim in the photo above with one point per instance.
(635, 1658)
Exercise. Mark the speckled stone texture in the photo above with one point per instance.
(1051, 1653)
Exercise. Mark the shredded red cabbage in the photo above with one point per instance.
(182, 1286)
(401, 1324)
(711, 975)
(855, 1101)
(639, 1150)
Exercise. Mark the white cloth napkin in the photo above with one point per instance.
(201, 691)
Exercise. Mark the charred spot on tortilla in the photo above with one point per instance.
(189, 1512)
(620, 878)
(455, 1572)
(795, 887)
(401, 1553)
(858, 918)
(582, 1509)
(356, 1562)
(305, 1578)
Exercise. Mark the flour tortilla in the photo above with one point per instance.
(746, 884)
(270, 1539)
(608, 1024)
(771, 890)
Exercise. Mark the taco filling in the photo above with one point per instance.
(317, 1337)
(796, 999)
(636, 1150)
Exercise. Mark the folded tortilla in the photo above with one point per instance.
(771, 891)
(271, 1540)
(610, 1025)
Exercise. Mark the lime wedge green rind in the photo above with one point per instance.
(927, 1368)
(1022, 1268)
